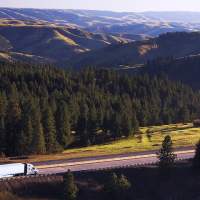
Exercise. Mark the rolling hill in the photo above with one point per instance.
(130, 54)
(47, 43)
(148, 23)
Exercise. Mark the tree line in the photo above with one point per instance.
(185, 69)
(44, 109)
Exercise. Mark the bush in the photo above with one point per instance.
(87, 143)
(3, 155)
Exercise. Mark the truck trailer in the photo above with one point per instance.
(17, 169)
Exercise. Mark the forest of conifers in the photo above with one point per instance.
(43, 109)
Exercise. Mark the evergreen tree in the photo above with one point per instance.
(20, 143)
(50, 132)
(126, 126)
(68, 190)
(184, 114)
(110, 188)
(123, 185)
(166, 156)
(28, 131)
(13, 127)
(38, 142)
(62, 125)
(116, 189)
(196, 161)
(2, 136)
(92, 122)
(135, 123)
(100, 115)
(106, 124)
(3, 104)
(116, 125)
(81, 125)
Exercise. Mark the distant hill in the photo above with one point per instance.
(131, 36)
(47, 43)
(149, 23)
(119, 56)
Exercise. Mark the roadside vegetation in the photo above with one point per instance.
(150, 138)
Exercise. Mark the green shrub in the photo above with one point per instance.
(3, 155)
(87, 143)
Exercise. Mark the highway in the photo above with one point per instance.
(78, 164)
(107, 164)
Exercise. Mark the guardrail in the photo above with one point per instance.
(106, 160)
(81, 171)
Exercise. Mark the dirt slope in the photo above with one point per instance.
(146, 184)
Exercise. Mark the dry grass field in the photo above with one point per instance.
(150, 138)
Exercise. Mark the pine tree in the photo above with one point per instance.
(81, 125)
(116, 189)
(126, 126)
(20, 143)
(116, 125)
(184, 114)
(100, 115)
(2, 136)
(106, 124)
(92, 122)
(13, 128)
(3, 104)
(62, 125)
(52, 145)
(196, 161)
(38, 142)
(68, 190)
(110, 188)
(166, 156)
(28, 131)
(123, 185)
(135, 123)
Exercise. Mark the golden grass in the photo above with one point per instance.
(150, 139)
(183, 135)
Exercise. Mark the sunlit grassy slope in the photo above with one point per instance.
(48, 41)
(137, 51)
(150, 139)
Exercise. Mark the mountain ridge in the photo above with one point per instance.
(94, 20)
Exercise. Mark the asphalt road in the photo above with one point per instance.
(51, 162)
(108, 164)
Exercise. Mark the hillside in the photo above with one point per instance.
(185, 69)
(66, 109)
(117, 56)
(44, 43)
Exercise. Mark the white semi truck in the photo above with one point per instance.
(17, 169)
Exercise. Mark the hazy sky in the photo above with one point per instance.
(113, 5)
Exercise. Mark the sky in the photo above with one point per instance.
(111, 5)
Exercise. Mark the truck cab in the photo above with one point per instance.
(30, 169)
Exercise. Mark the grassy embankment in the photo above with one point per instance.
(150, 139)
